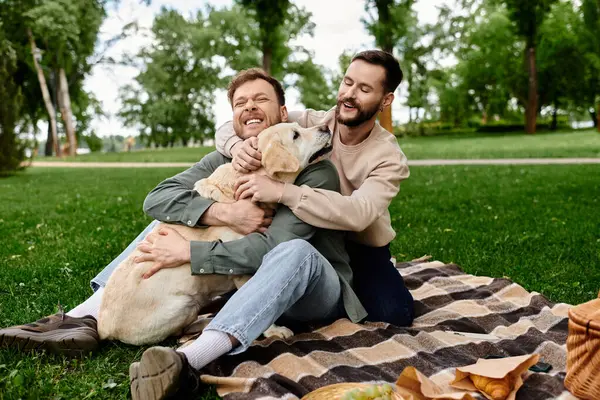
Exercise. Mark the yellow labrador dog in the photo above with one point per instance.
(144, 311)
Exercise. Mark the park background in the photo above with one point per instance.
(135, 81)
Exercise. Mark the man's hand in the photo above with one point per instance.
(258, 188)
(246, 156)
(166, 248)
(245, 217)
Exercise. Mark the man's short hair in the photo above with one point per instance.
(393, 73)
(253, 74)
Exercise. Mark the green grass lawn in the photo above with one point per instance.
(538, 225)
(561, 144)
(585, 143)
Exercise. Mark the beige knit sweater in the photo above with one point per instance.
(370, 175)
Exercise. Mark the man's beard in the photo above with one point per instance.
(362, 115)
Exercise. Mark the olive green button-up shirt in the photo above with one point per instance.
(175, 200)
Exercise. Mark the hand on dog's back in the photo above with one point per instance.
(245, 217)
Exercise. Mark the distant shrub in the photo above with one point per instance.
(502, 126)
(94, 142)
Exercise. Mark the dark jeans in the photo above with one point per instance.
(379, 286)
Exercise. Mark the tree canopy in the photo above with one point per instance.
(483, 62)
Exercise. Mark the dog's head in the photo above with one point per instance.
(288, 148)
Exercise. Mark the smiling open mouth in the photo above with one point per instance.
(320, 153)
(253, 121)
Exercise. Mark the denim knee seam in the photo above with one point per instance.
(244, 342)
(283, 288)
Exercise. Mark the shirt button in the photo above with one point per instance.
(201, 270)
(168, 218)
(190, 223)
(231, 271)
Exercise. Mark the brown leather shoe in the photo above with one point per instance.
(58, 334)
(163, 373)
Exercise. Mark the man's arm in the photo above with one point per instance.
(226, 139)
(175, 200)
(245, 255)
(331, 210)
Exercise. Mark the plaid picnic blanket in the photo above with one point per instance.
(459, 318)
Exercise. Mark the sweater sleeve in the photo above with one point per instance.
(331, 210)
(225, 137)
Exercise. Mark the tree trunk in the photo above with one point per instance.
(49, 142)
(64, 101)
(45, 95)
(554, 123)
(267, 59)
(597, 122)
(531, 109)
(385, 117)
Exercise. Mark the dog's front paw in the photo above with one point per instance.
(211, 191)
(278, 331)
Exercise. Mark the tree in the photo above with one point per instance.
(487, 66)
(11, 151)
(453, 101)
(256, 33)
(52, 40)
(527, 17)
(69, 29)
(270, 16)
(560, 82)
(316, 85)
(388, 27)
(589, 34)
(35, 53)
(173, 96)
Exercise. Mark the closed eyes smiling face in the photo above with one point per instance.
(255, 108)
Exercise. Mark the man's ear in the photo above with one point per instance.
(283, 113)
(387, 100)
(276, 159)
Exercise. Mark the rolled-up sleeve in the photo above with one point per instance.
(175, 200)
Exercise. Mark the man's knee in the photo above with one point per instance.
(292, 255)
(294, 249)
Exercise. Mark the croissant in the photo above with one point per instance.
(497, 389)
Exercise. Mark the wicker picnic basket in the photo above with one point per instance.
(337, 390)
(583, 351)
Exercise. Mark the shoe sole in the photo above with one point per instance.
(156, 376)
(60, 342)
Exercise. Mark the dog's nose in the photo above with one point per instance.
(324, 129)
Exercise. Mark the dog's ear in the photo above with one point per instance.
(276, 159)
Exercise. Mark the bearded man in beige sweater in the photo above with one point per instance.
(370, 165)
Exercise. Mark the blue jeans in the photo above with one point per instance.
(294, 281)
(379, 286)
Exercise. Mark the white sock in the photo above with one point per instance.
(207, 348)
(89, 307)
